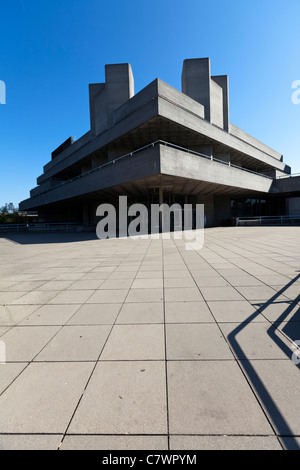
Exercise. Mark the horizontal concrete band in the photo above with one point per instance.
(155, 160)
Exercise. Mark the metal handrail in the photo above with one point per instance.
(270, 217)
(38, 225)
(267, 218)
(289, 176)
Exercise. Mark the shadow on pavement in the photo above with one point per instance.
(38, 238)
(278, 421)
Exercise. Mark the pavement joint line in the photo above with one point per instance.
(239, 363)
(96, 362)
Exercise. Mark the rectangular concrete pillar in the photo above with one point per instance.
(209, 209)
(211, 92)
(195, 82)
(119, 87)
(222, 82)
(222, 209)
(106, 97)
(85, 215)
(98, 115)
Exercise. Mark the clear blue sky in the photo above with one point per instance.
(51, 50)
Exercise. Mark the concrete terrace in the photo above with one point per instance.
(142, 344)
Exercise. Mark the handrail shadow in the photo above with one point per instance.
(278, 420)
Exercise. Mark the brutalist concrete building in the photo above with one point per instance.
(163, 145)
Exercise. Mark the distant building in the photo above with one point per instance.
(163, 145)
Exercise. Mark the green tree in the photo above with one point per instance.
(11, 215)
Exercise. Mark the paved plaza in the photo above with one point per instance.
(143, 344)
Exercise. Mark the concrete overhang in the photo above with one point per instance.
(286, 185)
(139, 109)
(170, 110)
(160, 100)
(157, 161)
(182, 164)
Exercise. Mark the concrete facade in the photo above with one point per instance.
(163, 142)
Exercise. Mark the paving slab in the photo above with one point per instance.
(9, 372)
(95, 314)
(107, 296)
(220, 293)
(212, 397)
(71, 297)
(145, 295)
(277, 385)
(234, 311)
(179, 282)
(30, 442)
(88, 284)
(184, 294)
(135, 342)
(123, 397)
(9, 297)
(24, 343)
(34, 297)
(50, 315)
(13, 314)
(257, 341)
(141, 312)
(187, 312)
(55, 285)
(257, 292)
(189, 341)
(224, 443)
(44, 397)
(25, 286)
(75, 343)
(71, 442)
(147, 284)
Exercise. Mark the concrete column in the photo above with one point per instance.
(106, 97)
(211, 92)
(293, 205)
(222, 81)
(209, 210)
(85, 215)
(161, 201)
(222, 208)
(119, 86)
(98, 114)
(195, 82)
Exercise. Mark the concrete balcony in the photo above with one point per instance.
(159, 164)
